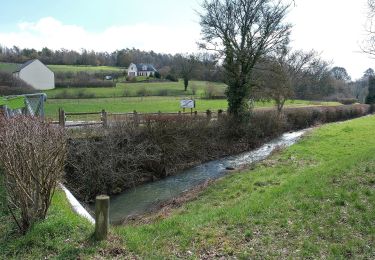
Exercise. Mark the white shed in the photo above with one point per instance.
(36, 74)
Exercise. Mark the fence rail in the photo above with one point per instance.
(105, 118)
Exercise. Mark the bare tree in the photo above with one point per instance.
(243, 31)
(280, 75)
(368, 46)
(186, 66)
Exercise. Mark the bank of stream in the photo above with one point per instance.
(146, 197)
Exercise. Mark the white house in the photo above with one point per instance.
(135, 70)
(36, 74)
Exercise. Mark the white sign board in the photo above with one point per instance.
(187, 103)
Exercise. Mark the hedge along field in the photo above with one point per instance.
(196, 88)
(150, 105)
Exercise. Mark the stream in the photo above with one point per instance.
(145, 197)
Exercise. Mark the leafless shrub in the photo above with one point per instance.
(32, 156)
(127, 154)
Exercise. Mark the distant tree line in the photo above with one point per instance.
(285, 74)
(205, 64)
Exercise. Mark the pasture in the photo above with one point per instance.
(88, 69)
(151, 105)
(8, 67)
(196, 89)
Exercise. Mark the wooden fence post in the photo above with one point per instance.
(209, 114)
(219, 113)
(135, 117)
(104, 118)
(101, 217)
(62, 119)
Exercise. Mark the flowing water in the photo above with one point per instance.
(145, 197)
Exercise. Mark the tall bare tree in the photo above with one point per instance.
(243, 31)
(368, 45)
(186, 66)
(280, 75)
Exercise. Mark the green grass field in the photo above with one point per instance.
(8, 67)
(148, 105)
(93, 69)
(313, 200)
(142, 89)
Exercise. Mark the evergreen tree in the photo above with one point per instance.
(371, 90)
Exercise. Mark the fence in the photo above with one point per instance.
(104, 118)
(29, 104)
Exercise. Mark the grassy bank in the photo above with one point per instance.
(314, 200)
(150, 105)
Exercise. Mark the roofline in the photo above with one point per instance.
(28, 63)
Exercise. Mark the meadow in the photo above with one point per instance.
(151, 105)
(10, 67)
(196, 89)
(84, 68)
(312, 200)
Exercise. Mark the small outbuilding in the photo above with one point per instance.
(136, 70)
(36, 74)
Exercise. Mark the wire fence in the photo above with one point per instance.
(104, 118)
(29, 104)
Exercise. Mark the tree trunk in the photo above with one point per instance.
(186, 83)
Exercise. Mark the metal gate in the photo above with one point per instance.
(29, 104)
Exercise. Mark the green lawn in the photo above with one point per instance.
(196, 88)
(8, 67)
(93, 69)
(147, 105)
(314, 200)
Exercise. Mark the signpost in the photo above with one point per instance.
(187, 103)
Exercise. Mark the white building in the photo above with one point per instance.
(36, 74)
(136, 70)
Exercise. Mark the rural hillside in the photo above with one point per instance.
(219, 129)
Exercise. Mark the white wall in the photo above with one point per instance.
(132, 70)
(38, 75)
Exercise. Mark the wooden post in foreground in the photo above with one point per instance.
(62, 117)
(104, 118)
(101, 217)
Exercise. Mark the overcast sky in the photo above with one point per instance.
(335, 28)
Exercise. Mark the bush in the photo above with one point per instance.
(171, 77)
(162, 92)
(142, 92)
(128, 154)
(72, 95)
(86, 84)
(157, 75)
(32, 154)
(211, 92)
(347, 101)
(13, 86)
